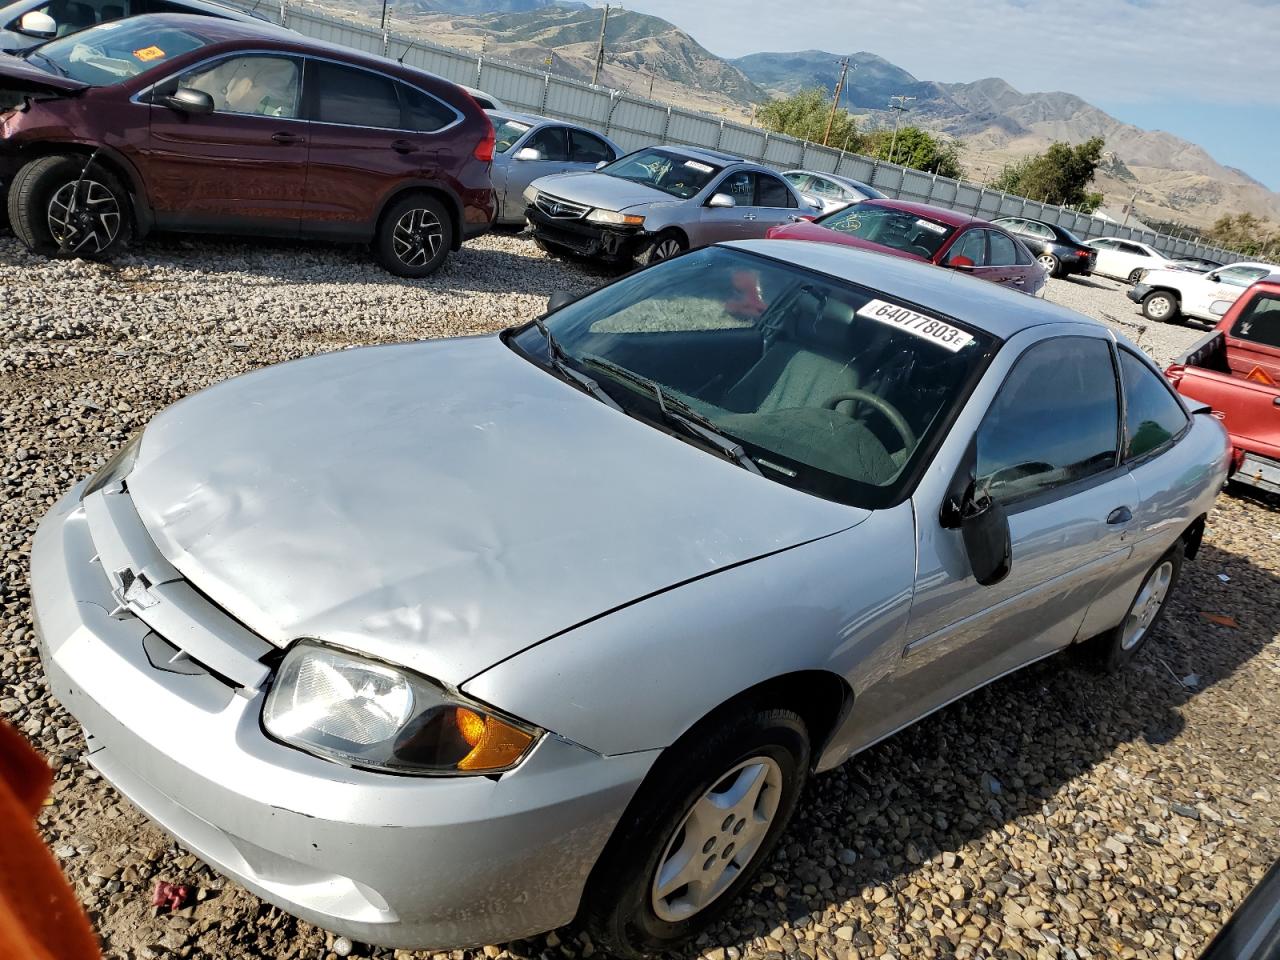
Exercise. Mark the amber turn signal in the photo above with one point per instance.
(494, 744)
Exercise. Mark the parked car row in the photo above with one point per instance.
(1169, 294)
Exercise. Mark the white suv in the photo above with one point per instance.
(1167, 294)
(1126, 259)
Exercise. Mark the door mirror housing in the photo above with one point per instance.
(190, 100)
(1214, 277)
(37, 24)
(528, 153)
(561, 298)
(984, 527)
(961, 262)
(722, 200)
(602, 164)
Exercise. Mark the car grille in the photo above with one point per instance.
(558, 209)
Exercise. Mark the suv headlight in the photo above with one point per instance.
(612, 216)
(367, 714)
(115, 469)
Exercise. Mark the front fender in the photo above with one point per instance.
(639, 677)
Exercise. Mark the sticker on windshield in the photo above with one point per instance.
(931, 226)
(147, 54)
(917, 324)
(700, 167)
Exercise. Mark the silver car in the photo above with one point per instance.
(829, 191)
(26, 23)
(527, 147)
(449, 642)
(660, 201)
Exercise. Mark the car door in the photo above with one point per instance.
(1200, 296)
(774, 205)
(1002, 261)
(1254, 342)
(587, 151)
(366, 139)
(968, 252)
(717, 224)
(244, 165)
(1133, 257)
(1108, 260)
(1048, 450)
(551, 142)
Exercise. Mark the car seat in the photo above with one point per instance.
(73, 16)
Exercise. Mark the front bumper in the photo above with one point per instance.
(1138, 292)
(587, 239)
(389, 860)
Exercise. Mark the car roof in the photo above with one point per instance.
(951, 218)
(530, 118)
(715, 156)
(979, 303)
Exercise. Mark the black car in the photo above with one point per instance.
(1058, 249)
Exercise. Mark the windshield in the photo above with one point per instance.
(1068, 236)
(664, 170)
(831, 388)
(116, 51)
(890, 227)
(506, 132)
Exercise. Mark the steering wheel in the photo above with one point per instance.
(921, 249)
(896, 419)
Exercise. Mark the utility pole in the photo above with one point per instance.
(835, 100)
(384, 15)
(898, 103)
(1129, 208)
(604, 21)
(653, 69)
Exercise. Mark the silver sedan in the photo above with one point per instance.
(830, 191)
(449, 642)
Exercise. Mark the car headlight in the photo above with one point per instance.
(614, 217)
(115, 469)
(367, 714)
(531, 194)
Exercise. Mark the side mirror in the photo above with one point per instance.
(722, 200)
(528, 153)
(190, 100)
(1213, 275)
(561, 298)
(602, 164)
(984, 528)
(37, 24)
(961, 262)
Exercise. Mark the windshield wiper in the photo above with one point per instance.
(558, 360)
(49, 60)
(674, 410)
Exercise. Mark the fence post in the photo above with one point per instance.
(933, 187)
(479, 68)
(720, 135)
(902, 182)
(546, 90)
(666, 126)
(284, 13)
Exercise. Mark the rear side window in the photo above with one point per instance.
(1003, 252)
(424, 112)
(772, 192)
(1259, 322)
(1054, 421)
(355, 98)
(587, 147)
(1153, 416)
(550, 142)
(972, 244)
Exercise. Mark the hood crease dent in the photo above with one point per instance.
(442, 505)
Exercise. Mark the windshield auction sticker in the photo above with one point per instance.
(917, 324)
(147, 54)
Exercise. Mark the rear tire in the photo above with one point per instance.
(61, 205)
(1110, 651)
(1135, 276)
(1050, 263)
(1160, 306)
(414, 236)
(637, 901)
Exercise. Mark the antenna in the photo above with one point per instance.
(400, 60)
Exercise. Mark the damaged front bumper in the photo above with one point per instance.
(588, 239)
(389, 860)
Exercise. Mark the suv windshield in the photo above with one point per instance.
(890, 227)
(113, 52)
(832, 388)
(665, 170)
(506, 132)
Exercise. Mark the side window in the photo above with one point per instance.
(1022, 254)
(550, 142)
(741, 186)
(260, 86)
(587, 147)
(772, 192)
(1040, 231)
(822, 187)
(1259, 322)
(1153, 416)
(1053, 422)
(1241, 276)
(355, 98)
(1003, 253)
(972, 244)
(424, 112)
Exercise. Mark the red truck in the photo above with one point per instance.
(1235, 369)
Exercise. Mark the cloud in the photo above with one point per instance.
(1131, 51)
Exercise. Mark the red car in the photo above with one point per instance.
(918, 231)
(1235, 369)
(178, 122)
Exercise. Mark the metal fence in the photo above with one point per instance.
(635, 122)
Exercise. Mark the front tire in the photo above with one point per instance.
(1110, 651)
(704, 822)
(665, 245)
(1160, 306)
(63, 205)
(414, 237)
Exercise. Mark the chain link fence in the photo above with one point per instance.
(635, 122)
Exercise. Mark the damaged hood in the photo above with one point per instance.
(17, 73)
(601, 191)
(442, 504)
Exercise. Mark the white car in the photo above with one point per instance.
(1167, 294)
(1126, 259)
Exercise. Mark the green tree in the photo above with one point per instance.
(917, 149)
(805, 116)
(1246, 234)
(1060, 175)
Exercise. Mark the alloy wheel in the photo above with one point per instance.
(84, 217)
(666, 249)
(1048, 261)
(1146, 606)
(717, 839)
(417, 237)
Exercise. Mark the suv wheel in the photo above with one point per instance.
(1160, 306)
(414, 237)
(1050, 263)
(61, 205)
(701, 826)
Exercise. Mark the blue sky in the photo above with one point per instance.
(1206, 71)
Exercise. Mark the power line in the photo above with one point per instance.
(898, 103)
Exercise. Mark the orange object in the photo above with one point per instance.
(1221, 620)
(147, 54)
(1258, 375)
(40, 918)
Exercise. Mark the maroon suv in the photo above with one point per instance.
(175, 122)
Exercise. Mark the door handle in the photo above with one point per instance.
(748, 216)
(1276, 402)
(403, 146)
(1119, 515)
(1018, 281)
(287, 138)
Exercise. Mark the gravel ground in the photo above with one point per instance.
(1053, 814)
